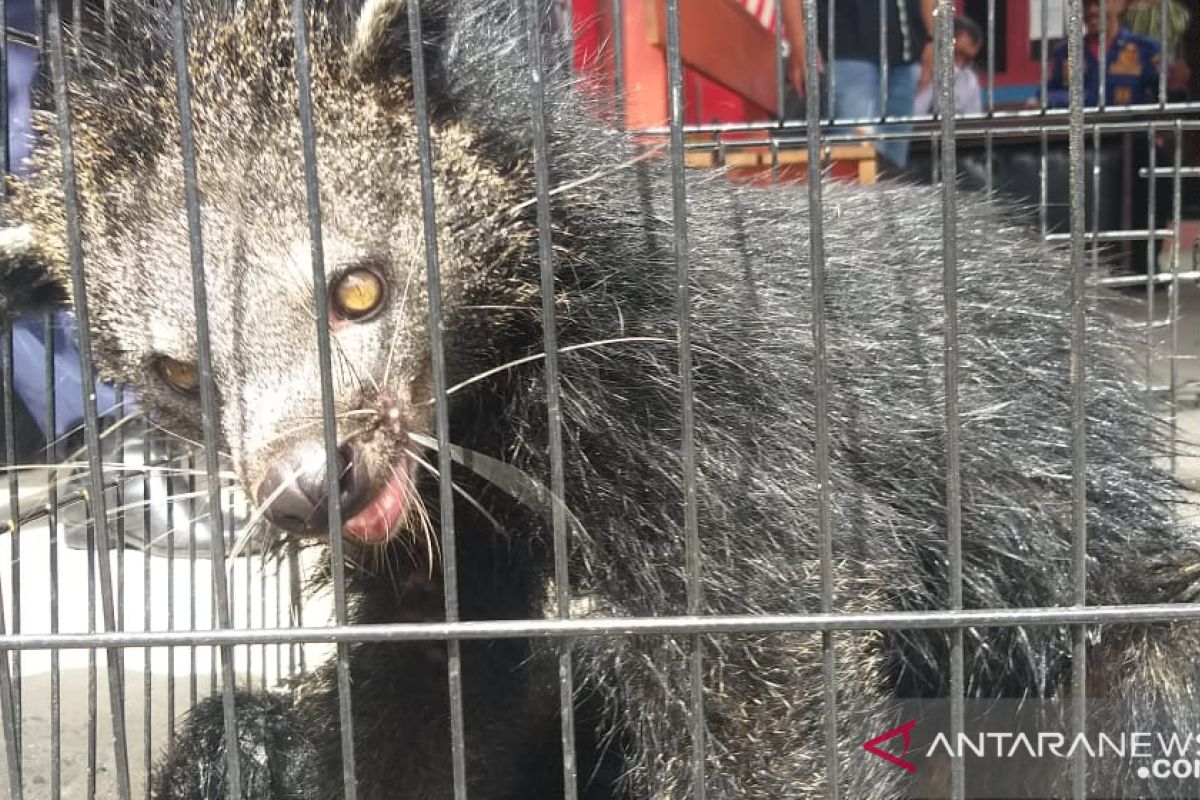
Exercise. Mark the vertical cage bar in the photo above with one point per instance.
(830, 60)
(883, 56)
(249, 598)
(9, 413)
(297, 666)
(1097, 143)
(1101, 98)
(14, 503)
(208, 401)
(193, 615)
(441, 401)
(93, 711)
(76, 26)
(695, 599)
(325, 352)
(618, 26)
(1044, 55)
(262, 611)
(1166, 53)
(991, 74)
(116, 680)
(1173, 341)
(944, 30)
(1078, 389)
(1150, 244)
(118, 431)
(8, 701)
(52, 523)
(279, 618)
(988, 135)
(187, 462)
(780, 75)
(562, 578)
(4, 102)
(119, 542)
(147, 618)
(816, 244)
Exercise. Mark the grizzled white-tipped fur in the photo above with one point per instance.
(16, 241)
(372, 29)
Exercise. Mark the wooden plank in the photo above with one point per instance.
(723, 41)
(856, 161)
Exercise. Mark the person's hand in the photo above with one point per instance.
(796, 67)
(926, 66)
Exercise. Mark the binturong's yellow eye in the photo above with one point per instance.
(182, 376)
(357, 294)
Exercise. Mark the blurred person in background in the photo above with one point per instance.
(1133, 62)
(856, 64)
(968, 97)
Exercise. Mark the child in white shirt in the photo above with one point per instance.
(968, 98)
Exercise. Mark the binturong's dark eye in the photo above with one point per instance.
(357, 294)
(182, 376)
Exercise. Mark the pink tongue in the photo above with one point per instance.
(374, 523)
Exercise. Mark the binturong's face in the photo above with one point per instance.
(258, 255)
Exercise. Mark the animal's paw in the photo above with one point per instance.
(275, 753)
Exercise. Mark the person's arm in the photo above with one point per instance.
(793, 28)
(927, 53)
(1057, 91)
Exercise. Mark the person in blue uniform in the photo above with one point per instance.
(1133, 62)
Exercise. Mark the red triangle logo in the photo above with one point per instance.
(905, 730)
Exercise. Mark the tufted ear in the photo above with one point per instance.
(26, 283)
(380, 42)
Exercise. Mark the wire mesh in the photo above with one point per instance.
(258, 612)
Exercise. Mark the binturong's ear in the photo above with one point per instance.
(381, 46)
(26, 283)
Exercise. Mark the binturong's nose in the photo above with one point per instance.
(294, 494)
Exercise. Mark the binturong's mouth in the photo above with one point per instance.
(384, 511)
(375, 482)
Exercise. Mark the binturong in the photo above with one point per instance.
(627, 501)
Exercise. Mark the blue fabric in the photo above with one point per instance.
(29, 349)
(29, 375)
(856, 96)
(1133, 65)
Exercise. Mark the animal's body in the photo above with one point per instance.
(756, 486)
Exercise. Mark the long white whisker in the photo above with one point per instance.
(110, 466)
(181, 437)
(523, 488)
(586, 179)
(132, 415)
(431, 540)
(152, 500)
(539, 356)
